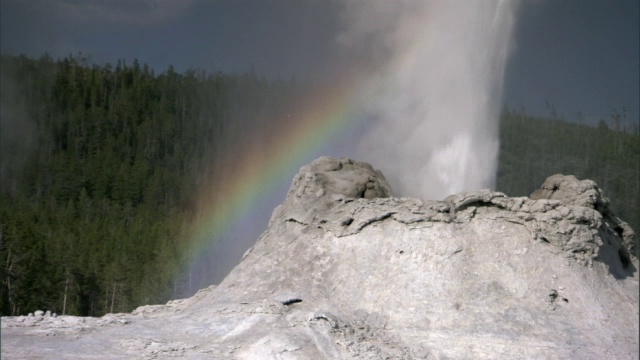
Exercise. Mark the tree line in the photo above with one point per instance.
(100, 171)
(101, 165)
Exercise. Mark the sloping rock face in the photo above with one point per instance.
(347, 271)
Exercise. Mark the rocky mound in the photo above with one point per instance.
(344, 270)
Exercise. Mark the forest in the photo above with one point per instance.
(533, 148)
(100, 168)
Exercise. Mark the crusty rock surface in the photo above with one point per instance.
(586, 193)
(345, 270)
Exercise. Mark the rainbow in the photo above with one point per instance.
(252, 176)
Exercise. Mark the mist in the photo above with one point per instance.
(436, 93)
(425, 105)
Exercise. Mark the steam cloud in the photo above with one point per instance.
(438, 91)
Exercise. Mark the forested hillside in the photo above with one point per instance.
(531, 149)
(100, 168)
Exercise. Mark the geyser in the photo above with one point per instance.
(436, 97)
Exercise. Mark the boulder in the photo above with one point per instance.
(586, 193)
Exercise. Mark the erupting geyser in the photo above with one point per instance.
(437, 96)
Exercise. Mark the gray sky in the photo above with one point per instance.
(580, 55)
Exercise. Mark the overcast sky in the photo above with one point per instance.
(580, 55)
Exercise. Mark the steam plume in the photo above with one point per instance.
(436, 99)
